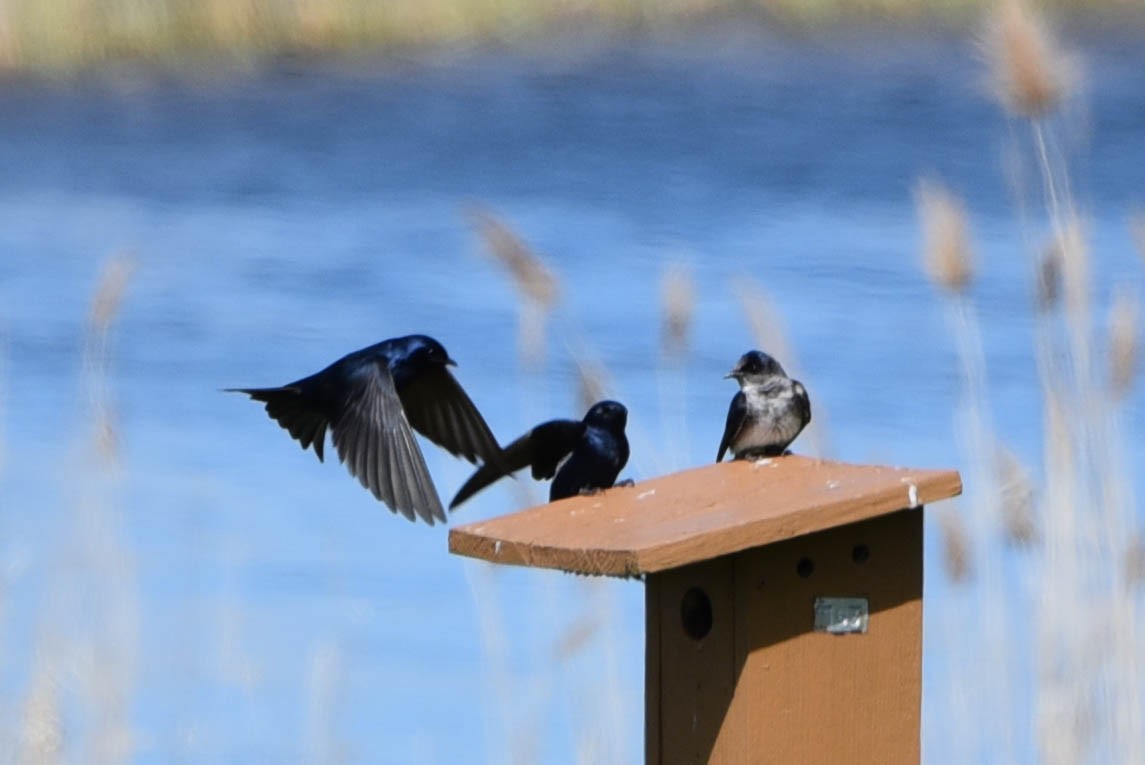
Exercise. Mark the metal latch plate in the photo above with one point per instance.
(841, 616)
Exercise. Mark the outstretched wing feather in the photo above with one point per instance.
(439, 408)
(375, 442)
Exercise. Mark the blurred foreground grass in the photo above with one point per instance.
(68, 35)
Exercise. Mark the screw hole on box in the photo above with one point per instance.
(805, 567)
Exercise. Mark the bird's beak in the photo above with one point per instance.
(731, 374)
(450, 362)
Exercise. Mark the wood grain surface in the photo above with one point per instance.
(699, 514)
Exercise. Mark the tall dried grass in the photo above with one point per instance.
(1030, 71)
(1088, 644)
(86, 650)
(600, 720)
(677, 316)
(41, 729)
(946, 245)
(105, 308)
(534, 281)
(678, 307)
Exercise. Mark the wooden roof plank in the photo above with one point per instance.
(698, 514)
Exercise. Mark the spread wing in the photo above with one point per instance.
(737, 413)
(375, 442)
(290, 408)
(438, 408)
(542, 448)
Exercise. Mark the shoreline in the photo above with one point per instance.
(67, 37)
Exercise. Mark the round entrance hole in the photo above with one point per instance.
(696, 613)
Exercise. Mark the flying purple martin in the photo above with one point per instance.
(593, 450)
(767, 413)
(369, 400)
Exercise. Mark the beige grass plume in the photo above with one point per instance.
(41, 731)
(1124, 342)
(530, 274)
(946, 236)
(955, 545)
(533, 280)
(1016, 498)
(577, 637)
(105, 307)
(762, 319)
(592, 382)
(678, 299)
(1030, 73)
(1049, 279)
(117, 273)
(1072, 253)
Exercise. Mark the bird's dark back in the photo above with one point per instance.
(595, 463)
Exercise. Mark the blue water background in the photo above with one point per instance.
(272, 610)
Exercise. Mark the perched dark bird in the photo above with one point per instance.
(767, 413)
(596, 450)
(369, 399)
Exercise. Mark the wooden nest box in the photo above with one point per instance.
(783, 602)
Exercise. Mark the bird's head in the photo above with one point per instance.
(608, 414)
(756, 365)
(423, 352)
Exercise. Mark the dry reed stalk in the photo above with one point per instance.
(1124, 342)
(1087, 648)
(530, 274)
(1049, 278)
(532, 327)
(324, 682)
(41, 729)
(1016, 498)
(592, 382)
(1030, 73)
(574, 639)
(536, 285)
(955, 546)
(948, 260)
(1073, 253)
(678, 301)
(762, 318)
(507, 741)
(105, 307)
(946, 239)
(112, 287)
(1135, 562)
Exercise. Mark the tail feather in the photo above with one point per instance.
(482, 477)
(286, 406)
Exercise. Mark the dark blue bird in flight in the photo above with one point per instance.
(369, 400)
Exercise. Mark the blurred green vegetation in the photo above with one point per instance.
(72, 34)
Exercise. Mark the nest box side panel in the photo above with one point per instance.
(813, 653)
(816, 684)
